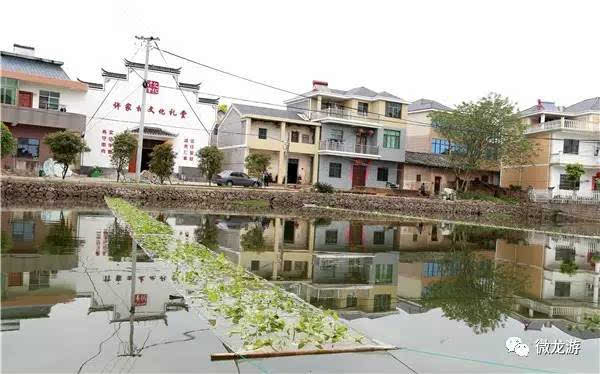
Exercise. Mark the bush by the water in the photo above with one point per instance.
(487, 197)
(323, 187)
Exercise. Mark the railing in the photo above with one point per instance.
(568, 124)
(327, 145)
(567, 158)
(574, 312)
(565, 196)
(348, 114)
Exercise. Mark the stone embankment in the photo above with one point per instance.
(44, 190)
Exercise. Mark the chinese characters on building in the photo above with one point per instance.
(188, 149)
(151, 109)
(106, 141)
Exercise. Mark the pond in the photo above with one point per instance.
(448, 295)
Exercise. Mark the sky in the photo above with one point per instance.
(449, 51)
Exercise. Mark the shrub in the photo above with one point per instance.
(210, 160)
(568, 267)
(486, 197)
(323, 187)
(124, 145)
(8, 144)
(257, 164)
(95, 172)
(162, 161)
(65, 147)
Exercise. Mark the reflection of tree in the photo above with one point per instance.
(485, 237)
(253, 240)
(206, 233)
(119, 242)
(475, 290)
(60, 238)
(5, 242)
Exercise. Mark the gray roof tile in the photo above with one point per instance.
(426, 104)
(269, 112)
(32, 65)
(587, 105)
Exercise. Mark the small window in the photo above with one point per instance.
(8, 90)
(295, 136)
(571, 146)
(351, 301)
(567, 184)
(254, 265)
(391, 139)
(440, 146)
(49, 100)
(418, 177)
(262, 133)
(335, 170)
(306, 139)
(331, 236)
(384, 273)
(393, 110)
(564, 254)
(415, 237)
(287, 265)
(363, 108)
(379, 237)
(485, 178)
(28, 148)
(336, 135)
(562, 289)
(300, 265)
(23, 230)
(382, 174)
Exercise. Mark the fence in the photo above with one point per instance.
(565, 196)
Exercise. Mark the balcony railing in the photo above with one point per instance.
(565, 196)
(567, 158)
(347, 114)
(566, 124)
(328, 145)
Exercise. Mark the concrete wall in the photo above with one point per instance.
(342, 183)
(231, 130)
(234, 158)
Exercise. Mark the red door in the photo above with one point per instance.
(359, 174)
(25, 99)
(132, 162)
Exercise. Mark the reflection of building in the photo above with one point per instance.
(354, 236)
(551, 292)
(34, 249)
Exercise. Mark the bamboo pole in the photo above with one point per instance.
(250, 354)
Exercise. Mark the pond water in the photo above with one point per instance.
(449, 295)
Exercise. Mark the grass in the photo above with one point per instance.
(479, 196)
(254, 204)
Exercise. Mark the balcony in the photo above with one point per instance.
(587, 161)
(42, 117)
(564, 124)
(352, 150)
(349, 116)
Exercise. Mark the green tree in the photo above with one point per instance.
(119, 242)
(481, 133)
(124, 145)
(574, 173)
(520, 152)
(210, 160)
(568, 267)
(206, 233)
(475, 290)
(253, 240)
(257, 164)
(222, 108)
(162, 161)
(61, 238)
(65, 147)
(8, 144)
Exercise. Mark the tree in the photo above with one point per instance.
(207, 232)
(574, 173)
(222, 108)
(162, 161)
(61, 238)
(8, 144)
(65, 146)
(119, 241)
(253, 240)
(519, 153)
(124, 145)
(480, 134)
(210, 159)
(257, 164)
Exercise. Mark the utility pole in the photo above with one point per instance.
(138, 161)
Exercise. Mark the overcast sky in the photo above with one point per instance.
(449, 51)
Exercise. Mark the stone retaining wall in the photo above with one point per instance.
(31, 189)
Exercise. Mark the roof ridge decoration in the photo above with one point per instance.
(110, 74)
(95, 86)
(190, 86)
(155, 68)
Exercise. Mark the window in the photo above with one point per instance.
(567, 184)
(287, 265)
(379, 237)
(262, 133)
(28, 148)
(440, 146)
(418, 177)
(415, 237)
(562, 289)
(254, 265)
(363, 108)
(564, 254)
(49, 100)
(393, 110)
(306, 139)
(351, 301)
(383, 273)
(8, 91)
(335, 170)
(432, 269)
(434, 233)
(485, 178)
(295, 136)
(336, 135)
(382, 174)
(23, 230)
(391, 139)
(382, 303)
(300, 265)
(331, 237)
(571, 146)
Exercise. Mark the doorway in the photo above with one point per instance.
(289, 232)
(25, 99)
(437, 185)
(292, 171)
(147, 147)
(359, 175)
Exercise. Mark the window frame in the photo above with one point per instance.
(262, 133)
(392, 138)
(333, 135)
(328, 239)
(379, 237)
(335, 170)
(571, 146)
(565, 184)
(440, 146)
(252, 263)
(29, 145)
(362, 108)
(305, 139)
(381, 171)
(295, 135)
(9, 87)
(393, 110)
(49, 97)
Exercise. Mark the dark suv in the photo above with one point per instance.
(235, 178)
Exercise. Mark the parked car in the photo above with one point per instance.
(235, 178)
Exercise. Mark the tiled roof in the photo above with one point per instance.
(156, 131)
(190, 86)
(426, 104)
(96, 86)
(592, 104)
(351, 93)
(157, 68)
(110, 74)
(433, 160)
(544, 106)
(32, 65)
(268, 112)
